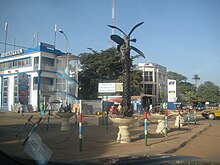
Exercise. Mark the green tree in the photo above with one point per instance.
(208, 91)
(176, 76)
(103, 66)
(186, 92)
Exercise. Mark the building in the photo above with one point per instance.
(154, 84)
(37, 75)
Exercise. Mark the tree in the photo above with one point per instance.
(176, 76)
(186, 92)
(208, 91)
(103, 66)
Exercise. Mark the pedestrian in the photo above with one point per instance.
(150, 108)
(119, 108)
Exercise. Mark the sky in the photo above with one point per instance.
(182, 35)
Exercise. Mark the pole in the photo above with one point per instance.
(195, 115)
(6, 35)
(49, 113)
(166, 122)
(107, 113)
(32, 130)
(55, 34)
(188, 116)
(67, 62)
(80, 126)
(113, 19)
(14, 42)
(145, 127)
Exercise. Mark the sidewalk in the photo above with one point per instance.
(99, 141)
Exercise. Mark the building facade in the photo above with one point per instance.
(35, 75)
(154, 84)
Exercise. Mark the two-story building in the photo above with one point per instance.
(34, 75)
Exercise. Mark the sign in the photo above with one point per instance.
(11, 53)
(37, 149)
(23, 88)
(171, 90)
(49, 46)
(106, 88)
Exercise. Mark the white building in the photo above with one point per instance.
(35, 75)
(154, 84)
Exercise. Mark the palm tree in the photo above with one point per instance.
(124, 47)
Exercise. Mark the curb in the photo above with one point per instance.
(187, 141)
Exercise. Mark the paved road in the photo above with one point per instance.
(206, 145)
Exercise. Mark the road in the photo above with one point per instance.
(206, 145)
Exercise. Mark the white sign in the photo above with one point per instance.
(106, 88)
(11, 53)
(37, 149)
(171, 90)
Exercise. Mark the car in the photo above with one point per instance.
(200, 107)
(211, 114)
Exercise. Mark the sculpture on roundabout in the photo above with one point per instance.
(124, 47)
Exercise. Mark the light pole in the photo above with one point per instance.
(67, 62)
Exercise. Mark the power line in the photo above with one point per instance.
(18, 46)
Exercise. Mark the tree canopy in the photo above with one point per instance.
(103, 66)
(208, 91)
(188, 93)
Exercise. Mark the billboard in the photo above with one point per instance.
(23, 88)
(106, 88)
(171, 90)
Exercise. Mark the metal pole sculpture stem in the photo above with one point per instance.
(124, 47)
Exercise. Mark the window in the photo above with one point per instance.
(47, 61)
(148, 89)
(5, 92)
(15, 89)
(35, 83)
(148, 76)
(15, 63)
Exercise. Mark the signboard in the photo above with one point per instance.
(171, 90)
(106, 88)
(14, 52)
(37, 149)
(49, 46)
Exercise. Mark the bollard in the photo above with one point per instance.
(188, 116)
(145, 127)
(166, 121)
(179, 117)
(195, 115)
(80, 127)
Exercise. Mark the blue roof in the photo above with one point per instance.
(41, 47)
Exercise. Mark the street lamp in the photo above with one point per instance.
(67, 41)
(67, 62)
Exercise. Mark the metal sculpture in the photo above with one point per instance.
(124, 47)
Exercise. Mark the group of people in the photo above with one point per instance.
(115, 109)
(119, 110)
(66, 108)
